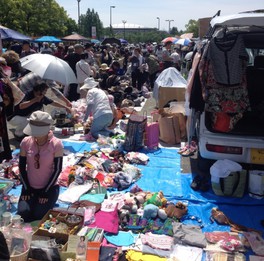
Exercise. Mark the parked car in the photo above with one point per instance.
(244, 141)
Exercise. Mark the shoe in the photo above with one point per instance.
(188, 152)
(183, 149)
(196, 183)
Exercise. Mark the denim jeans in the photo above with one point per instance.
(100, 124)
(32, 210)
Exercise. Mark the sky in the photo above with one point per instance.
(145, 12)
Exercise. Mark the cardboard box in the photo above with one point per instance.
(167, 94)
(61, 236)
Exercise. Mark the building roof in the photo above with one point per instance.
(127, 26)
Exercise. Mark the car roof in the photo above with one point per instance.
(241, 19)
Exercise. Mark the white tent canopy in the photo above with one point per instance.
(170, 77)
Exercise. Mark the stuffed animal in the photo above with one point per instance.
(162, 214)
(117, 144)
(130, 203)
(176, 211)
(157, 199)
(150, 211)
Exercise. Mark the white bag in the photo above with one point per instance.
(256, 184)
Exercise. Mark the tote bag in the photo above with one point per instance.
(232, 186)
(135, 132)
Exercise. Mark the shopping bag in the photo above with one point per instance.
(135, 132)
(169, 129)
(233, 185)
(256, 184)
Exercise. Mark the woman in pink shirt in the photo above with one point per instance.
(40, 164)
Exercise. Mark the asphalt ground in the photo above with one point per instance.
(188, 164)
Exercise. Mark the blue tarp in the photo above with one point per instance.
(163, 173)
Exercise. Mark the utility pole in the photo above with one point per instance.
(169, 20)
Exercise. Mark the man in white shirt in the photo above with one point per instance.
(83, 70)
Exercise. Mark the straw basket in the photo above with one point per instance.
(20, 257)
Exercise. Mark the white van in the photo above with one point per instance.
(244, 141)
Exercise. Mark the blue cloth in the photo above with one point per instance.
(122, 238)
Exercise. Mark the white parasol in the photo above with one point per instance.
(49, 67)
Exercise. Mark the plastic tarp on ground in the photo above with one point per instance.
(163, 173)
(169, 77)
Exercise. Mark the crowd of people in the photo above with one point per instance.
(98, 70)
(106, 64)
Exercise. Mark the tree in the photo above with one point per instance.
(35, 18)
(87, 21)
(192, 27)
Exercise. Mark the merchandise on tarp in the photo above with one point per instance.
(169, 86)
(163, 173)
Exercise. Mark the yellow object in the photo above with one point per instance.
(133, 255)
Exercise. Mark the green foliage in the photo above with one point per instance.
(46, 17)
(176, 32)
(143, 37)
(192, 27)
(87, 21)
(35, 17)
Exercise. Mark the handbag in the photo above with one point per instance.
(135, 132)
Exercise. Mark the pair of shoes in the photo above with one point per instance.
(183, 149)
(200, 183)
(188, 152)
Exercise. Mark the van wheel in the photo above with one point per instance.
(203, 164)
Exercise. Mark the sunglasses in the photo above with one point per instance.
(36, 158)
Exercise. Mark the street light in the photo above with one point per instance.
(111, 31)
(124, 22)
(169, 23)
(158, 23)
(79, 13)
